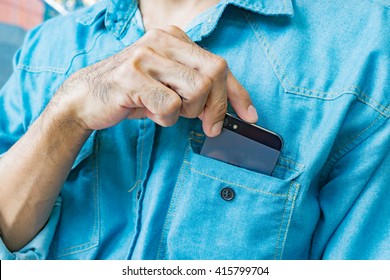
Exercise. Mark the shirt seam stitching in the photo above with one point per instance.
(288, 88)
(382, 3)
(172, 206)
(281, 224)
(96, 226)
(297, 187)
(348, 147)
(59, 70)
(235, 184)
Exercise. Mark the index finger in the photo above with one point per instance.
(240, 100)
(178, 33)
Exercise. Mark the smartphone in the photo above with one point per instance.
(245, 145)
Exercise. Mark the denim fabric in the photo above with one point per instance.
(318, 74)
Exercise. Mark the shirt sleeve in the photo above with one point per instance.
(355, 208)
(26, 92)
(18, 105)
(38, 248)
(12, 116)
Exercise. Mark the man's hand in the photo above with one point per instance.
(162, 76)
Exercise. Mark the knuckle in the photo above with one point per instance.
(191, 112)
(204, 85)
(172, 29)
(140, 53)
(164, 104)
(155, 34)
(159, 37)
(200, 88)
(120, 74)
(172, 106)
(167, 122)
(176, 33)
(221, 66)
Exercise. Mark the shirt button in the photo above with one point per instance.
(227, 194)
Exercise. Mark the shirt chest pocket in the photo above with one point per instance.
(220, 211)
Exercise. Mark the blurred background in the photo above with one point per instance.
(18, 16)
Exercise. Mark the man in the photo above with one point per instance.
(102, 126)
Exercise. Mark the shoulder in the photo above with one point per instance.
(51, 45)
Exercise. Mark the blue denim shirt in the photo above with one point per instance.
(318, 74)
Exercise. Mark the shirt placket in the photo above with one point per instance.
(145, 142)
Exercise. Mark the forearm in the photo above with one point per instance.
(32, 173)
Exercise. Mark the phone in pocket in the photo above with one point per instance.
(245, 145)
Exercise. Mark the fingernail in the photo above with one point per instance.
(216, 129)
(252, 112)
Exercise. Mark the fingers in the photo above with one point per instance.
(162, 105)
(137, 113)
(216, 105)
(208, 65)
(240, 100)
(224, 84)
(193, 82)
(226, 87)
(189, 84)
(178, 33)
(174, 44)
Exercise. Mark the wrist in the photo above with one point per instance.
(61, 114)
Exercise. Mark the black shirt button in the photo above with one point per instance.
(227, 194)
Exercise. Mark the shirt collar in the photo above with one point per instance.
(118, 13)
(265, 7)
